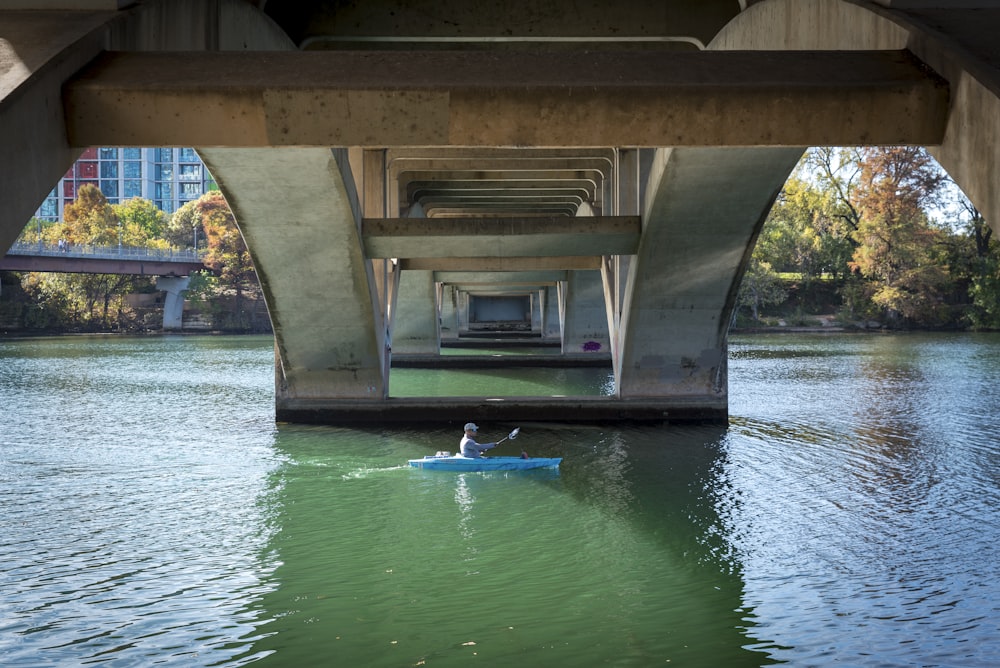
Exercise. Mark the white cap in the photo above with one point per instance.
(471, 426)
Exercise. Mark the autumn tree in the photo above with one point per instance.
(142, 223)
(898, 249)
(226, 252)
(94, 301)
(89, 219)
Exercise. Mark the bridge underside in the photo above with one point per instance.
(388, 169)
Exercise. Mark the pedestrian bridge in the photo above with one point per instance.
(172, 268)
(392, 164)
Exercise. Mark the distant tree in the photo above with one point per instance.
(761, 287)
(226, 253)
(982, 270)
(142, 223)
(185, 227)
(89, 219)
(897, 246)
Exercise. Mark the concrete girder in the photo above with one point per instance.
(298, 212)
(590, 170)
(383, 23)
(490, 278)
(501, 264)
(500, 237)
(710, 98)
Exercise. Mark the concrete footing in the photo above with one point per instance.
(458, 410)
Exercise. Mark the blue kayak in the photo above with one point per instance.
(459, 463)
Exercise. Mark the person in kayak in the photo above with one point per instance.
(469, 447)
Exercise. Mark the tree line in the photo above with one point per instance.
(878, 235)
(228, 293)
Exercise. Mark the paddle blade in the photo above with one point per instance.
(512, 435)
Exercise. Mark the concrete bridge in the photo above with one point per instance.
(391, 161)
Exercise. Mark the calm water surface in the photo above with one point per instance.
(151, 512)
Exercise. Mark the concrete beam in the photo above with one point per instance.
(500, 237)
(499, 278)
(479, 264)
(515, 98)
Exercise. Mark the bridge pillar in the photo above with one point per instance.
(703, 211)
(416, 327)
(584, 319)
(173, 303)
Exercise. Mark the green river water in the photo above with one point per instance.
(152, 513)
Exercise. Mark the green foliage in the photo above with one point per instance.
(860, 217)
(142, 223)
(761, 286)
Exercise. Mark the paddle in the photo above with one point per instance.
(512, 435)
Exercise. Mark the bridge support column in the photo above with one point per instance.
(416, 327)
(584, 318)
(704, 209)
(173, 303)
(299, 213)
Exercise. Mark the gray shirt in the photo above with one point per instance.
(469, 447)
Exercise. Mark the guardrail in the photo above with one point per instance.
(107, 252)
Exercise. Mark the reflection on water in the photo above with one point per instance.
(153, 513)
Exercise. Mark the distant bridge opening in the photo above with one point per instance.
(500, 312)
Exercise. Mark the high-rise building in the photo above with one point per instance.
(169, 177)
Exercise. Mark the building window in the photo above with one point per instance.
(132, 153)
(187, 155)
(189, 173)
(164, 191)
(110, 190)
(109, 170)
(86, 170)
(164, 155)
(133, 170)
(190, 190)
(164, 173)
(109, 154)
(133, 188)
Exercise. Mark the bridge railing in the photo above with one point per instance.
(107, 252)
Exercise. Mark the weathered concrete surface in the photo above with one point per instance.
(595, 410)
(500, 237)
(501, 264)
(38, 52)
(703, 210)
(416, 327)
(506, 99)
(300, 219)
(584, 324)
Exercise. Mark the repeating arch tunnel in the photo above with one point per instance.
(459, 147)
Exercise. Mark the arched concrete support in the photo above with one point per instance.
(959, 43)
(703, 210)
(299, 214)
(173, 304)
(40, 50)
